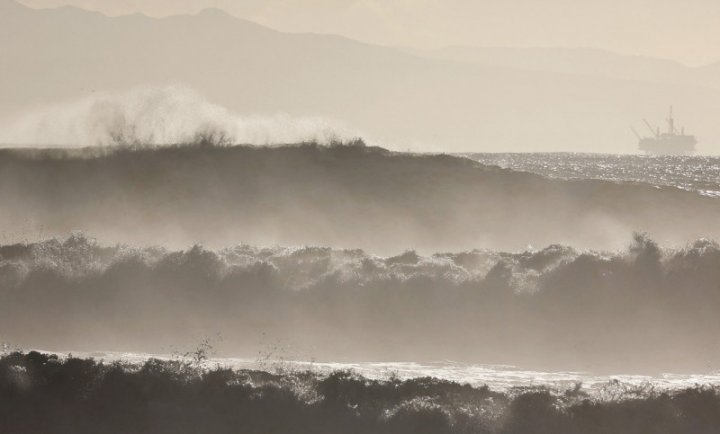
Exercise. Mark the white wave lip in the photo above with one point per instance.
(167, 115)
(500, 378)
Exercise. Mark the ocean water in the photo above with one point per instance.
(499, 378)
(700, 174)
(465, 306)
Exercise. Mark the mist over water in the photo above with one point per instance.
(343, 195)
(396, 266)
(378, 286)
(645, 309)
(180, 396)
(200, 233)
(160, 115)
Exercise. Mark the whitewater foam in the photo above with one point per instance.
(500, 378)
(164, 115)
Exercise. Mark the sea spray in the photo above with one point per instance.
(163, 115)
(629, 311)
(72, 395)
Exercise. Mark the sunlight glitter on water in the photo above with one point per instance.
(696, 173)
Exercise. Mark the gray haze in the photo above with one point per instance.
(349, 196)
(685, 31)
(444, 100)
(644, 309)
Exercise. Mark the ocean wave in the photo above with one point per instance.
(499, 378)
(294, 268)
(157, 116)
(44, 393)
(646, 307)
(344, 195)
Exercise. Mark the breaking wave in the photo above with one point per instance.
(343, 195)
(646, 307)
(167, 115)
(44, 393)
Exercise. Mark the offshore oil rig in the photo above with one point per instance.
(672, 142)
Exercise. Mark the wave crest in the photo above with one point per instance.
(164, 115)
(84, 396)
(646, 307)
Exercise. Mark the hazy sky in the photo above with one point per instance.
(686, 31)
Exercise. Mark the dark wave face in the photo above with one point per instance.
(350, 196)
(644, 309)
(42, 393)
